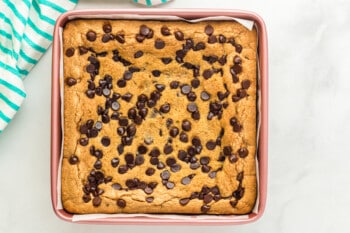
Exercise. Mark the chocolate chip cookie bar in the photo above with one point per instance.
(159, 117)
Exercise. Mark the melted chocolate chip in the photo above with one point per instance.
(205, 208)
(227, 150)
(195, 83)
(107, 28)
(159, 44)
(83, 50)
(233, 158)
(127, 97)
(121, 83)
(238, 48)
(144, 30)
(166, 60)
(139, 160)
(139, 38)
(222, 39)
(96, 201)
(120, 38)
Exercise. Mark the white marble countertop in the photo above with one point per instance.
(309, 155)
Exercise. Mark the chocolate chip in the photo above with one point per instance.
(115, 162)
(127, 97)
(122, 169)
(154, 160)
(159, 44)
(156, 73)
(98, 164)
(167, 149)
(160, 165)
(192, 107)
(160, 87)
(150, 171)
(184, 201)
(204, 160)
(83, 141)
(142, 149)
(238, 193)
(222, 39)
(179, 35)
(222, 60)
(105, 141)
(144, 30)
(174, 84)
(212, 39)
(186, 125)
(71, 81)
(227, 150)
(183, 137)
(207, 73)
(130, 130)
(195, 83)
(73, 159)
(170, 185)
(194, 166)
(241, 93)
(107, 28)
(139, 38)
(120, 38)
(207, 198)
(165, 108)
(129, 158)
(90, 68)
(185, 89)
(165, 175)
(149, 199)
(243, 152)
(70, 52)
(96, 201)
(165, 31)
(86, 198)
(121, 203)
(82, 50)
(170, 161)
(121, 83)
(106, 38)
(138, 54)
(186, 180)
(155, 152)
(237, 127)
(238, 48)
(212, 174)
(209, 30)
(245, 84)
(116, 186)
(199, 46)
(120, 149)
(196, 115)
(233, 158)
(139, 160)
(148, 190)
(205, 96)
(205, 208)
(91, 36)
(191, 96)
(174, 131)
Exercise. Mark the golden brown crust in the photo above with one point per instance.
(78, 109)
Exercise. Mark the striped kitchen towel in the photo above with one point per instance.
(26, 28)
(151, 2)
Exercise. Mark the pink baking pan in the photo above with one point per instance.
(56, 133)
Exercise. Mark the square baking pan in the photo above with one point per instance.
(56, 130)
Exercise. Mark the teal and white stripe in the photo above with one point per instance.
(25, 33)
(151, 2)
